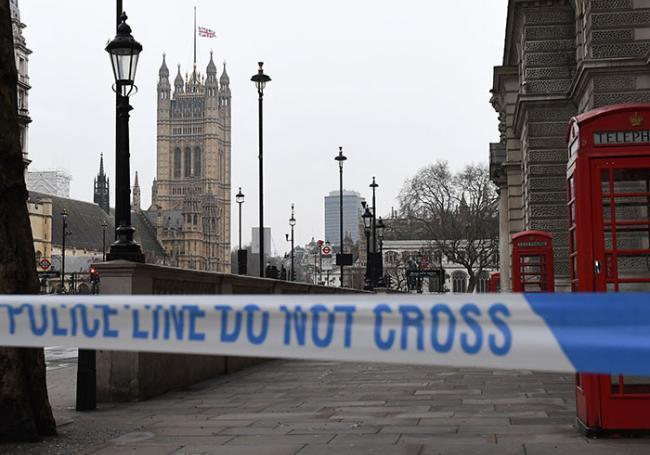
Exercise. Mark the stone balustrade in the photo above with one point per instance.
(134, 376)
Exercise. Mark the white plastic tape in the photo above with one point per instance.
(598, 333)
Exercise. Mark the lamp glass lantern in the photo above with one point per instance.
(260, 79)
(341, 157)
(124, 51)
(239, 197)
(367, 218)
(380, 228)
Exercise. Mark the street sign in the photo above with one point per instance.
(49, 274)
(44, 263)
(327, 250)
(328, 263)
(422, 273)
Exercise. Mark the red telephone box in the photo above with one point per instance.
(494, 284)
(609, 243)
(532, 262)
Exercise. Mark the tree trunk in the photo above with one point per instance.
(25, 413)
(472, 283)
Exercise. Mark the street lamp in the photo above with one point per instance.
(124, 51)
(367, 224)
(374, 268)
(260, 79)
(341, 158)
(64, 234)
(241, 254)
(292, 223)
(381, 228)
(104, 226)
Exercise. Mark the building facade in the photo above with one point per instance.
(351, 216)
(90, 231)
(39, 208)
(402, 256)
(22, 59)
(561, 58)
(191, 192)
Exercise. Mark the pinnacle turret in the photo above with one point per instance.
(225, 80)
(136, 193)
(164, 71)
(101, 165)
(179, 82)
(212, 68)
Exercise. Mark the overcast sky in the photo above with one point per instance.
(397, 84)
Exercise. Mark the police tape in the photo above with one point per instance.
(596, 333)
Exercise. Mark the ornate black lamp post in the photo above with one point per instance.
(341, 158)
(260, 79)
(124, 51)
(367, 226)
(292, 223)
(64, 234)
(104, 226)
(241, 254)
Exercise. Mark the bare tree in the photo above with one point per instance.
(457, 212)
(25, 413)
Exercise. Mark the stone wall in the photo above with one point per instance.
(133, 376)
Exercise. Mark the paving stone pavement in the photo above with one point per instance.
(310, 408)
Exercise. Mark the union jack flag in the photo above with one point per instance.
(206, 32)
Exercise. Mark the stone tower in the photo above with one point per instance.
(191, 191)
(22, 59)
(102, 188)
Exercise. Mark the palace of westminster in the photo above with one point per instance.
(191, 193)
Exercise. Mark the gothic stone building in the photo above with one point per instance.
(191, 192)
(561, 58)
(22, 58)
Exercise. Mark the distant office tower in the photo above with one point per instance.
(22, 58)
(351, 216)
(255, 241)
(55, 183)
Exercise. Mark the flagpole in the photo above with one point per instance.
(194, 72)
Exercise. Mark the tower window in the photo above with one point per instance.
(197, 162)
(188, 162)
(177, 163)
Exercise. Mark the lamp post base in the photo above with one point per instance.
(125, 248)
(131, 253)
(242, 259)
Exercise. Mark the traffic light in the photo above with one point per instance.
(94, 275)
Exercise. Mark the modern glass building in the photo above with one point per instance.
(351, 216)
